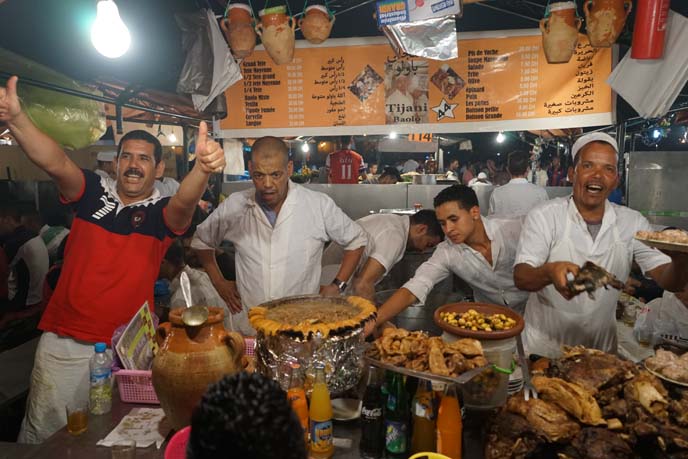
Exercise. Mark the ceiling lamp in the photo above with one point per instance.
(109, 34)
(500, 137)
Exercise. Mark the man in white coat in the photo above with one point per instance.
(563, 233)
(479, 250)
(279, 230)
(517, 197)
(389, 237)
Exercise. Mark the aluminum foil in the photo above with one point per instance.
(340, 353)
(433, 38)
(342, 356)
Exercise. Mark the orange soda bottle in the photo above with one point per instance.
(297, 398)
(449, 426)
(423, 411)
(321, 444)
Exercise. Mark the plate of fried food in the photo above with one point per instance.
(417, 354)
(479, 320)
(669, 366)
(671, 239)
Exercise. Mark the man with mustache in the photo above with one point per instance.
(479, 250)
(121, 230)
(562, 234)
(279, 230)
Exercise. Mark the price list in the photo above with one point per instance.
(528, 81)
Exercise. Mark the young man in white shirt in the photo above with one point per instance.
(389, 236)
(563, 233)
(518, 196)
(279, 230)
(479, 250)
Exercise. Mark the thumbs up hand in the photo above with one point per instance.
(10, 107)
(209, 154)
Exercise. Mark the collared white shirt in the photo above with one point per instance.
(491, 283)
(284, 260)
(546, 223)
(515, 198)
(387, 239)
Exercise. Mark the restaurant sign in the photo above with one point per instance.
(359, 86)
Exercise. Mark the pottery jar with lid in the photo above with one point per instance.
(276, 31)
(238, 30)
(560, 32)
(191, 358)
(605, 20)
(316, 24)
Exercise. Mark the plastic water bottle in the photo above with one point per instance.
(100, 393)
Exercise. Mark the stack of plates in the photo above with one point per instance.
(515, 381)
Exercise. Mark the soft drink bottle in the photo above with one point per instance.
(297, 398)
(372, 442)
(449, 426)
(100, 392)
(396, 419)
(321, 443)
(423, 409)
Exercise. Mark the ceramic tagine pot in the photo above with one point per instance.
(238, 30)
(276, 31)
(316, 24)
(605, 20)
(560, 32)
(191, 358)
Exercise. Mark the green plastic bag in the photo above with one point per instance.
(73, 122)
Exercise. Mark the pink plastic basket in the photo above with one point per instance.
(176, 448)
(135, 386)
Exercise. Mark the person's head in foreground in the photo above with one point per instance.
(242, 416)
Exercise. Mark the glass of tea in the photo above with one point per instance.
(77, 417)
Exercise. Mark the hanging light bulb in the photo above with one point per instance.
(305, 148)
(500, 137)
(392, 135)
(109, 34)
(171, 137)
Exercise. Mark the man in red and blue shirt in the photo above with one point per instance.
(120, 233)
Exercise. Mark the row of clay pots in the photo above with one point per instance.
(605, 20)
(276, 30)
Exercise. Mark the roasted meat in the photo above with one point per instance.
(591, 277)
(600, 443)
(546, 418)
(648, 391)
(511, 436)
(679, 409)
(591, 369)
(570, 397)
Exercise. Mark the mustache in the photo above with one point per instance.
(133, 172)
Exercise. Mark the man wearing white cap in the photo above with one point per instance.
(480, 180)
(106, 164)
(563, 233)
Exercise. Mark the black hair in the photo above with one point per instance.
(517, 163)
(175, 254)
(391, 171)
(344, 140)
(462, 194)
(428, 218)
(245, 415)
(146, 137)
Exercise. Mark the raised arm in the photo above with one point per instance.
(209, 158)
(43, 151)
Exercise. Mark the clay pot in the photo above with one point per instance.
(316, 25)
(191, 358)
(238, 30)
(276, 31)
(560, 32)
(605, 20)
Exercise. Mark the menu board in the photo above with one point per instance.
(359, 86)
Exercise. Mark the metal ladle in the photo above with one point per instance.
(193, 316)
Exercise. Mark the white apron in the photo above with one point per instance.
(552, 321)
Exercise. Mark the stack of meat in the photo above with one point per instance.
(592, 405)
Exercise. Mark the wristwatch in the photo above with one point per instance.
(341, 285)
